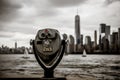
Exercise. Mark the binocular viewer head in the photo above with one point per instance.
(48, 48)
(47, 41)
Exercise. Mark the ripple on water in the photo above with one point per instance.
(98, 66)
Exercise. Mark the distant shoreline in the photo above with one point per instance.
(74, 54)
(99, 53)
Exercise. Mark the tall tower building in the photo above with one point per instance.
(95, 37)
(119, 38)
(102, 31)
(71, 45)
(15, 45)
(81, 39)
(107, 32)
(102, 28)
(88, 43)
(88, 40)
(77, 29)
(115, 40)
(105, 29)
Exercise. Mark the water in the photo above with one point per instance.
(99, 67)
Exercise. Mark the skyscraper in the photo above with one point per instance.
(115, 40)
(71, 44)
(88, 45)
(81, 39)
(15, 45)
(101, 34)
(119, 38)
(77, 29)
(104, 35)
(100, 43)
(105, 29)
(102, 28)
(88, 40)
(107, 32)
(95, 37)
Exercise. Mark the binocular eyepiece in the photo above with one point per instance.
(47, 34)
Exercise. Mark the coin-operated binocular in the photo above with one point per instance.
(48, 49)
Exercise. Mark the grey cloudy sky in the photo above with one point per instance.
(21, 19)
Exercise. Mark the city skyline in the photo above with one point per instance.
(20, 19)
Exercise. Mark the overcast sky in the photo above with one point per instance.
(21, 19)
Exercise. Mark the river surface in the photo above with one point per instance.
(100, 67)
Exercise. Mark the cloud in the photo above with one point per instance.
(22, 37)
(21, 15)
(37, 8)
(6, 34)
(94, 15)
(66, 3)
(111, 14)
(8, 12)
(8, 9)
(108, 2)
